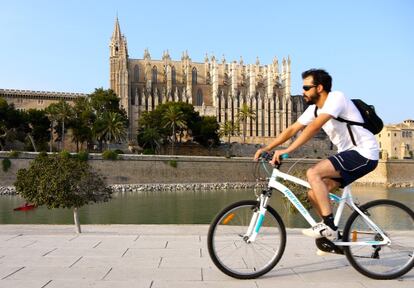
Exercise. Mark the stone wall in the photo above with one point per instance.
(146, 169)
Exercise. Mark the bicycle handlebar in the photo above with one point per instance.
(265, 156)
(268, 156)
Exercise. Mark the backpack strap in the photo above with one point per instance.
(348, 125)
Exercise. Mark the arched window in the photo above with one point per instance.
(194, 76)
(136, 73)
(173, 75)
(199, 100)
(154, 75)
(226, 79)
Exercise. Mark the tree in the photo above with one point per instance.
(111, 121)
(82, 122)
(150, 137)
(61, 181)
(229, 128)
(111, 127)
(104, 101)
(205, 132)
(244, 114)
(13, 125)
(61, 112)
(39, 128)
(174, 119)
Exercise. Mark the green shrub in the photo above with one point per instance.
(148, 151)
(14, 154)
(119, 151)
(42, 154)
(64, 154)
(173, 163)
(83, 156)
(109, 155)
(6, 164)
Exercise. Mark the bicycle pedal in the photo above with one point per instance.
(327, 246)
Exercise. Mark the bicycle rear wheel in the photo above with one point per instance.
(381, 261)
(232, 254)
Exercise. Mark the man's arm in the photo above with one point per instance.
(304, 137)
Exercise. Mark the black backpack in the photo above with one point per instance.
(372, 122)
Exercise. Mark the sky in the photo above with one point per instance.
(367, 46)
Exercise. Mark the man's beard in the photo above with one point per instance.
(312, 99)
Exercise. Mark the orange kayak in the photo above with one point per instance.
(25, 207)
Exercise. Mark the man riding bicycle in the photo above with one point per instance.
(358, 152)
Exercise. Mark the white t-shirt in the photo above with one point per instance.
(337, 105)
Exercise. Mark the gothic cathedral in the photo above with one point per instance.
(215, 88)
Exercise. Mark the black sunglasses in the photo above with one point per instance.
(308, 87)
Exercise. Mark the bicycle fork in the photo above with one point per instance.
(257, 218)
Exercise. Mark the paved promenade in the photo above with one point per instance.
(155, 256)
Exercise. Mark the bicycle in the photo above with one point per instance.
(247, 238)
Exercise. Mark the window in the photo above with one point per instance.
(226, 79)
(173, 75)
(133, 92)
(199, 100)
(154, 75)
(136, 73)
(194, 76)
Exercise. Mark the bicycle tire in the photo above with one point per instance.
(387, 261)
(271, 238)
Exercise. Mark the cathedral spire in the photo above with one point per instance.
(116, 35)
(118, 44)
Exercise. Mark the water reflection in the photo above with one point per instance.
(183, 207)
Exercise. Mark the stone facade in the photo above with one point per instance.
(27, 99)
(397, 141)
(149, 169)
(215, 88)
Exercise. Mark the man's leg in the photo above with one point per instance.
(317, 178)
(331, 184)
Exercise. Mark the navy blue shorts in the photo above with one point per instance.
(352, 166)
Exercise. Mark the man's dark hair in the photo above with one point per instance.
(320, 77)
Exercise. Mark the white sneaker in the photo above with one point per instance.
(319, 252)
(321, 230)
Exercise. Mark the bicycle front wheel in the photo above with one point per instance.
(236, 257)
(381, 261)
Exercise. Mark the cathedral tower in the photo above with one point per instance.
(215, 87)
(119, 66)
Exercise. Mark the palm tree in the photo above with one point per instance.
(244, 114)
(83, 120)
(174, 118)
(111, 128)
(61, 112)
(150, 137)
(229, 128)
(51, 113)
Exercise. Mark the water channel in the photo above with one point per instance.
(183, 207)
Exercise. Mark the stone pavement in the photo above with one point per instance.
(155, 256)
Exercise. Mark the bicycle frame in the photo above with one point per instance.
(346, 198)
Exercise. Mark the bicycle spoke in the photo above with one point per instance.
(242, 259)
(396, 221)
